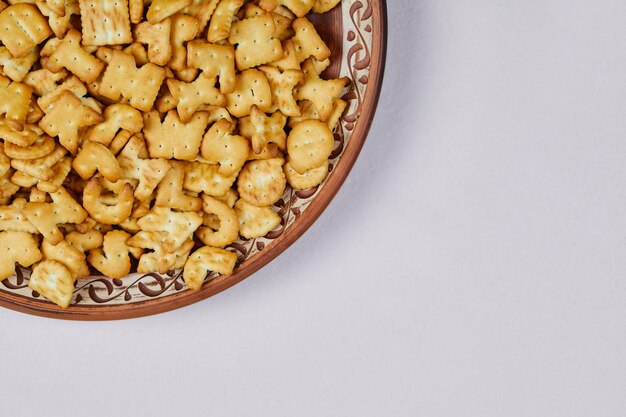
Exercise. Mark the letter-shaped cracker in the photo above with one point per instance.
(105, 22)
(282, 85)
(43, 81)
(52, 280)
(12, 218)
(72, 56)
(222, 19)
(309, 179)
(228, 230)
(60, 171)
(157, 37)
(7, 187)
(149, 172)
(262, 182)
(307, 41)
(42, 146)
(17, 68)
(72, 258)
(40, 168)
(184, 29)
(192, 95)
(255, 41)
(320, 92)
(202, 10)
(60, 23)
(160, 260)
(18, 134)
(170, 191)
(139, 85)
(220, 146)
(22, 27)
(201, 177)
(207, 259)
(251, 88)
(263, 130)
(116, 117)
(255, 221)
(178, 226)
(47, 216)
(107, 213)
(172, 138)
(17, 247)
(113, 259)
(66, 117)
(14, 99)
(214, 61)
(162, 9)
(298, 7)
(96, 157)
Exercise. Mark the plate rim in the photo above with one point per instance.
(317, 206)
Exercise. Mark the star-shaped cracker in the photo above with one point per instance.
(66, 117)
(262, 129)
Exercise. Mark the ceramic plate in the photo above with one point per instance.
(356, 34)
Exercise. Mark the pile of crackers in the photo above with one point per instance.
(150, 135)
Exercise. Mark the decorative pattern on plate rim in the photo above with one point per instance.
(355, 63)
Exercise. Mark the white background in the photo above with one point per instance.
(473, 264)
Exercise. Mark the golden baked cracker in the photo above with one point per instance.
(105, 22)
(179, 226)
(22, 27)
(72, 84)
(60, 172)
(170, 191)
(60, 23)
(320, 92)
(162, 9)
(323, 6)
(17, 68)
(85, 241)
(309, 144)
(23, 179)
(17, 247)
(56, 6)
(38, 196)
(190, 96)
(18, 134)
(251, 88)
(255, 222)
(222, 19)
(187, 75)
(159, 260)
(290, 60)
(282, 85)
(184, 29)
(262, 182)
(14, 99)
(173, 139)
(214, 61)
(42, 146)
(5, 161)
(139, 85)
(35, 114)
(7, 187)
(166, 101)
(148, 172)
(96, 157)
(270, 151)
(255, 42)
(157, 37)
(228, 230)
(307, 41)
(43, 81)
(135, 8)
(53, 281)
(298, 7)
(72, 258)
(138, 52)
(3, 5)
(107, 213)
(66, 117)
(116, 117)
(217, 113)
(220, 146)
(40, 168)
(263, 130)
(202, 10)
(309, 179)
(12, 218)
(46, 217)
(72, 56)
(113, 258)
(320, 66)
(207, 259)
(283, 29)
(202, 177)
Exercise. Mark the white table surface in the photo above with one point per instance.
(473, 264)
